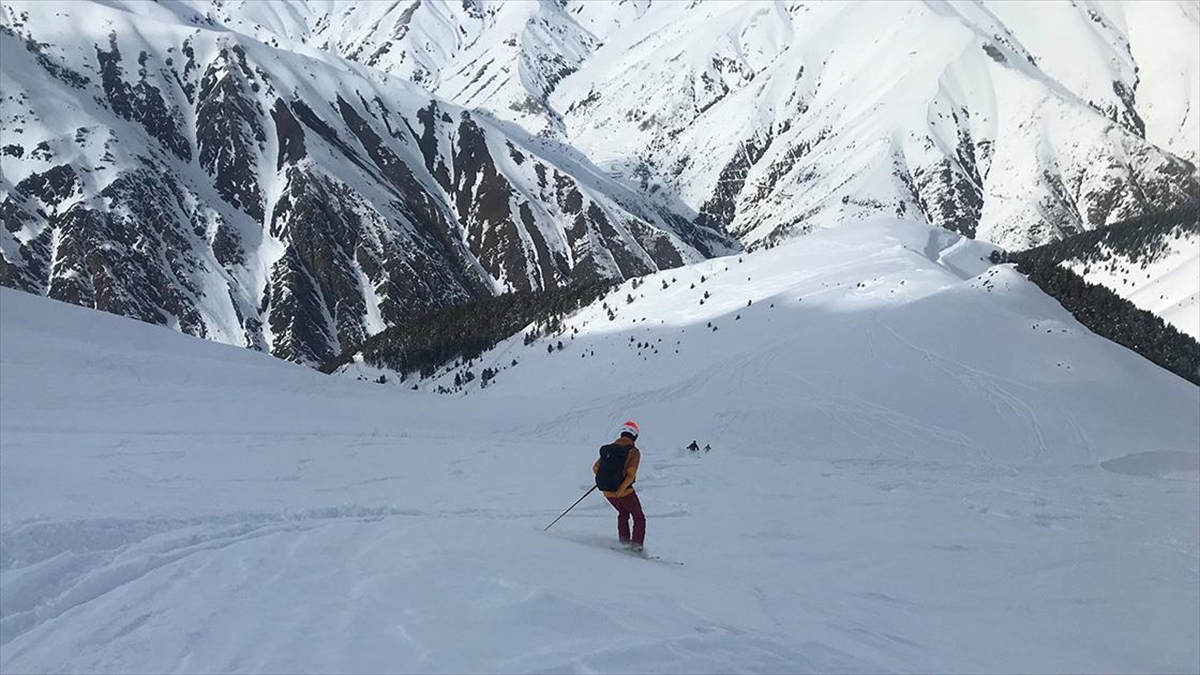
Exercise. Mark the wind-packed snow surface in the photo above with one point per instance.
(919, 463)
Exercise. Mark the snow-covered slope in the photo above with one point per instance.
(833, 319)
(1165, 282)
(1162, 40)
(913, 469)
(157, 164)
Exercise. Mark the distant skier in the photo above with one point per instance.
(707, 447)
(615, 471)
(693, 447)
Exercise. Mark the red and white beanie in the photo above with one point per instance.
(630, 428)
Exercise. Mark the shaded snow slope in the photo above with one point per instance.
(914, 468)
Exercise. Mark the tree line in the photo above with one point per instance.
(1101, 310)
(1143, 239)
(465, 331)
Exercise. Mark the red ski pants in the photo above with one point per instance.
(627, 507)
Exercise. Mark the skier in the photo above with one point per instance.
(707, 447)
(615, 473)
(693, 447)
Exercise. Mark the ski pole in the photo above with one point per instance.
(571, 507)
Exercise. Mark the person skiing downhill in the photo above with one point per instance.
(693, 447)
(616, 471)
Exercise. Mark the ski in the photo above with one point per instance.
(646, 556)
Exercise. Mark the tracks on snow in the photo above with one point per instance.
(52, 567)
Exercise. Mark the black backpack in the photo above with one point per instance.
(612, 467)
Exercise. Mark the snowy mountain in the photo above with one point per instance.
(295, 176)
(1018, 122)
(920, 463)
(160, 165)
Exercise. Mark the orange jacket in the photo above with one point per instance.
(631, 467)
